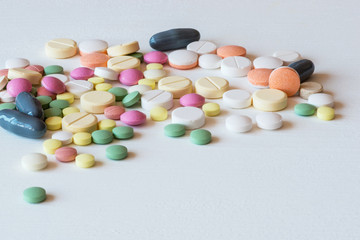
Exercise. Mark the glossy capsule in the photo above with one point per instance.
(174, 39)
(29, 105)
(305, 68)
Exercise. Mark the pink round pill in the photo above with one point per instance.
(133, 118)
(65, 154)
(192, 100)
(18, 85)
(53, 84)
(41, 91)
(82, 73)
(36, 68)
(4, 72)
(130, 77)
(155, 57)
(114, 112)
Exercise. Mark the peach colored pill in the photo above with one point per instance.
(114, 112)
(285, 79)
(65, 154)
(36, 68)
(259, 77)
(231, 50)
(93, 60)
(4, 72)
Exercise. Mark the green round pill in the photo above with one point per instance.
(304, 109)
(123, 132)
(45, 101)
(118, 92)
(174, 130)
(53, 69)
(137, 55)
(102, 136)
(52, 112)
(116, 152)
(34, 195)
(200, 136)
(59, 104)
(131, 99)
(7, 106)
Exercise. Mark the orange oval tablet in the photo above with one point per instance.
(93, 60)
(231, 50)
(285, 79)
(259, 77)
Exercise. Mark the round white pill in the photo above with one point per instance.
(321, 99)
(61, 77)
(17, 63)
(308, 88)
(269, 120)
(237, 98)
(79, 87)
(190, 117)
(64, 136)
(235, 66)
(106, 73)
(238, 123)
(6, 97)
(140, 88)
(156, 98)
(210, 61)
(155, 74)
(34, 161)
(183, 58)
(268, 62)
(92, 45)
(202, 47)
(287, 56)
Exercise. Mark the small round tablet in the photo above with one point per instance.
(123, 132)
(285, 79)
(268, 62)
(325, 113)
(191, 117)
(183, 59)
(269, 120)
(202, 47)
(287, 56)
(304, 109)
(34, 195)
(237, 98)
(34, 161)
(92, 45)
(210, 61)
(16, 63)
(85, 160)
(174, 130)
(116, 152)
(269, 100)
(321, 99)
(238, 123)
(235, 66)
(211, 109)
(308, 88)
(139, 88)
(156, 98)
(65, 154)
(200, 136)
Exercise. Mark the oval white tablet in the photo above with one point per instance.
(34, 161)
(235, 66)
(16, 63)
(61, 77)
(156, 98)
(64, 136)
(269, 120)
(210, 61)
(93, 45)
(238, 123)
(308, 88)
(268, 62)
(190, 117)
(202, 47)
(106, 73)
(321, 99)
(155, 74)
(140, 88)
(6, 97)
(183, 57)
(79, 87)
(237, 98)
(287, 56)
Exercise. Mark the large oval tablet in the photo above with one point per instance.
(61, 48)
(211, 87)
(121, 63)
(96, 101)
(177, 85)
(79, 122)
(269, 100)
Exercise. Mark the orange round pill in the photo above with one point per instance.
(93, 60)
(231, 50)
(285, 79)
(259, 77)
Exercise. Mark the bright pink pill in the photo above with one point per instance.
(155, 57)
(133, 118)
(36, 68)
(82, 73)
(18, 85)
(4, 72)
(130, 77)
(53, 84)
(192, 100)
(65, 154)
(114, 112)
(41, 91)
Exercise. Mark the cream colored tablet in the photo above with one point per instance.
(61, 48)
(211, 87)
(190, 117)
(34, 161)
(235, 66)
(33, 76)
(79, 87)
(202, 47)
(155, 74)
(106, 73)
(237, 98)
(123, 49)
(121, 63)
(96, 101)
(308, 88)
(269, 100)
(177, 85)
(79, 122)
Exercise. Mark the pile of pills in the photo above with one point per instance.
(36, 98)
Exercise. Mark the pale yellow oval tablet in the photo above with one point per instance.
(96, 101)
(33, 76)
(82, 138)
(211, 87)
(107, 124)
(66, 96)
(51, 145)
(61, 48)
(85, 160)
(96, 80)
(149, 82)
(69, 110)
(121, 63)
(325, 113)
(123, 49)
(53, 123)
(79, 122)
(211, 109)
(158, 113)
(154, 66)
(177, 85)
(103, 86)
(269, 100)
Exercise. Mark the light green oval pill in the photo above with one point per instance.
(34, 195)
(52, 112)
(59, 104)
(137, 55)
(53, 69)
(118, 92)
(174, 130)
(304, 109)
(123, 132)
(7, 106)
(116, 152)
(45, 101)
(131, 99)
(102, 136)
(200, 136)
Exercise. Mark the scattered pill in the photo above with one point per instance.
(269, 120)
(235, 66)
(305, 68)
(268, 62)
(53, 69)
(139, 88)
(53, 84)
(96, 80)
(61, 48)
(137, 55)
(211, 109)
(29, 105)
(211, 87)
(106, 73)
(53, 123)
(3, 81)
(177, 85)
(210, 61)
(51, 112)
(69, 97)
(131, 99)
(200, 136)
(17, 63)
(102, 137)
(174, 130)
(18, 85)
(269, 100)
(82, 138)
(114, 112)
(33, 77)
(4, 72)
(192, 100)
(130, 77)
(156, 98)
(155, 74)
(5, 97)
(64, 136)
(36, 68)
(231, 51)
(123, 49)
(85, 160)
(92, 45)
(123, 132)
(103, 87)
(133, 118)
(174, 39)
(238, 123)
(158, 113)
(118, 92)
(50, 145)
(287, 56)
(308, 88)
(34, 161)
(259, 77)
(34, 195)
(96, 101)
(321, 99)
(285, 79)
(202, 47)
(121, 63)
(7, 106)
(304, 109)
(94, 60)
(79, 122)
(156, 57)
(325, 113)
(59, 104)
(65, 154)
(150, 82)
(107, 124)
(116, 152)
(82, 73)
(183, 59)
(154, 66)
(79, 87)
(191, 117)
(237, 98)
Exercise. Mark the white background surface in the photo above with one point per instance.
(300, 182)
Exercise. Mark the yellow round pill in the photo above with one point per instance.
(211, 109)
(85, 160)
(96, 80)
(103, 87)
(69, 110)
(82, 138)
(158, 114)
(51, 145)
(154, 66)
(106, 124)
(53, 123)
(66, 96)
(149, 82)
(325, 113)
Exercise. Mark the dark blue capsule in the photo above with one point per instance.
(305, 68)
(22, 124)
(29, 105)
(174, 39)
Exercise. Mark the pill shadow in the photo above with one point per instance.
(137, 135)
(338, 116)
(130, 156)
(99, 164)
(214, 139)
(49, 198)
(319, 77)
(210, 121)
(51, 165)
(251, 57)
(338, 105)
(287, 125)
(291, 103)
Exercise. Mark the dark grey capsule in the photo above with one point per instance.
(22, 124)
(29, 105)
(174, 39)
(305, 68)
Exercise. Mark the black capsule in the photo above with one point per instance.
(22, 124)
(174, 39)
(305, 68)
(29, 105)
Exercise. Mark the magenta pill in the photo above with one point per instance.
(36, 68)
(65, 154)
(192, 100)
(155, 57)
(53, 84)
(18, 85)
(114, 112)
(82, 73)
(130, 77)
(133, 118)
